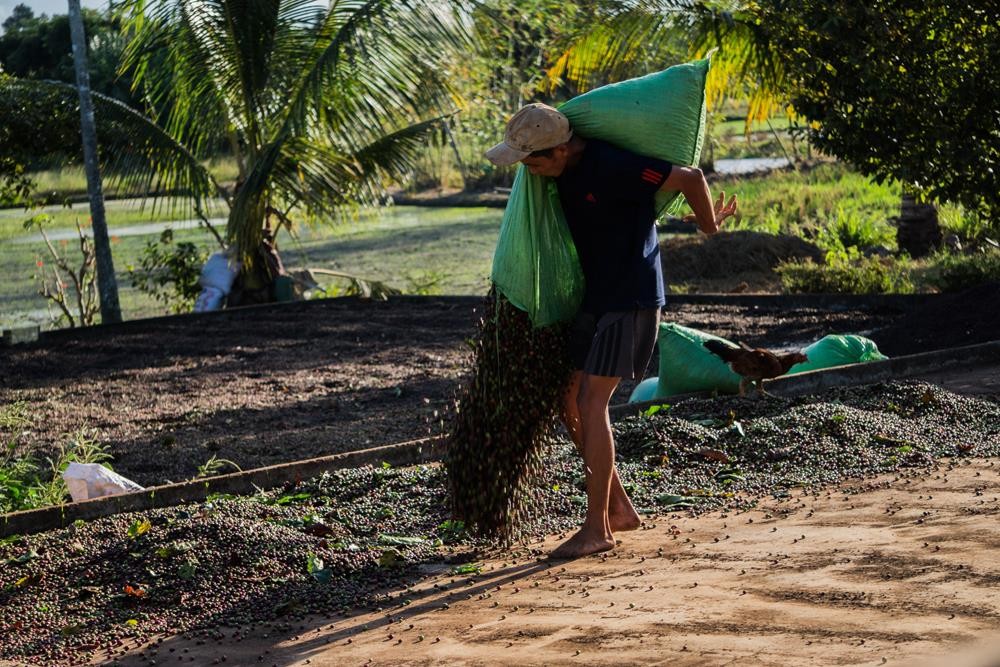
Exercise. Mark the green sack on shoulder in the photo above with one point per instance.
(660, 115)
(535, 264)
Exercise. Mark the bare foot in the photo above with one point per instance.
(583, 543)
(624, 520)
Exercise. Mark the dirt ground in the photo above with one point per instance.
(280, 383)
(902, 571)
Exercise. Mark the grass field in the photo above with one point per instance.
(447, 251)
(443, 250)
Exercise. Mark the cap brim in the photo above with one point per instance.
(503, 155)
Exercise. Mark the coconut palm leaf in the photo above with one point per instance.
(633, 39)
(742, 68)
(302, 94)
(364, 77)
(41, 121)
(220, 67)
(325, 180)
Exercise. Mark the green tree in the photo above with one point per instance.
(902, 89)
(534, 50)
(320, 105)
(21, 16)
(514, 42)
(39, 47)
(15, 184)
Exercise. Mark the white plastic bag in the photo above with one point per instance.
(210, 298)
(219, 272)
(91, 480)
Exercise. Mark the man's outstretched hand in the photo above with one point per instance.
(723, 210)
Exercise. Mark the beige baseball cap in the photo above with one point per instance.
(533, 128)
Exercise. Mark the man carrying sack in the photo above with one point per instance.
(607, 195)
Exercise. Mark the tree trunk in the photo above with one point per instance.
(917, 231)
(107, 285)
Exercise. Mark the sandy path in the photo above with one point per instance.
(899, 572)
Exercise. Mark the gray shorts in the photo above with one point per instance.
(617, 344)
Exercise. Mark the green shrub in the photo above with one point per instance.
(851, 275)
(811, 195)
(956, 272)
(847, 228)
(770, 220)
(969, 226)
(169, 272)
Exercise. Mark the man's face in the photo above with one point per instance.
(552, 165)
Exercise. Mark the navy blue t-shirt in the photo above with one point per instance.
(608, 200)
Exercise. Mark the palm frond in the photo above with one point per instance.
(633, 40)
(741, 69)
(370, 70)
(357, 286)
(41, 121)
(371, 60)
(175, 59)
(327, 181)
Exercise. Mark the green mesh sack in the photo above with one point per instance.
(838, 350)
(535, 264)
(660, 115)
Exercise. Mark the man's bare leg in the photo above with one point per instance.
(621, 514)
(599, 456)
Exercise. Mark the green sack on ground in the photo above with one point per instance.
(838, 350)
(687, 366)
(661, 115)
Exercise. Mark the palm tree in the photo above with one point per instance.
(319, 106)
(642, 36)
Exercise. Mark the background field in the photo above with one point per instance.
(416, 249)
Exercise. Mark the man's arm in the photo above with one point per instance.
(690, 182)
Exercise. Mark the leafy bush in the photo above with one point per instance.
(956, 272)
(848, 275)
(15, 185)
(797, 202)
(850, 229)
(969, 226)
(169, 272)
